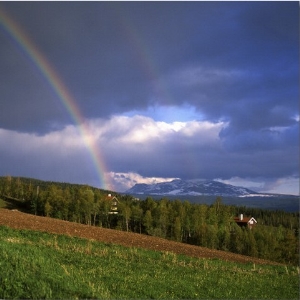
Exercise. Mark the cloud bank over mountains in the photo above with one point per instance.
(142, 150)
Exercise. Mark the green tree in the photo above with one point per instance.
(290, 248)
(223, 238)
(148, 204)
(237, 240)
(8, 186)
(104, 219)
(148, 222)
(161, 218)
(86, 197)
(126, 213)
(137, 216)
(177, 229)
(47, 209)
(250, 244)
(185, 216)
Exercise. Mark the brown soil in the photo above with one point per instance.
(18, 220)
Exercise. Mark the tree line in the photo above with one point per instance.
(275, 237)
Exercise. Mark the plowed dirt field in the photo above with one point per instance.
(19, 220)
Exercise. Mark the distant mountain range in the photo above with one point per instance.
(192, 188)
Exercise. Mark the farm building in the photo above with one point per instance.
(113, 204)
(242, 221)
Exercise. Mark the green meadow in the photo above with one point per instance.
(38, 265)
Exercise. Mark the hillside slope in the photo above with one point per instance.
(19, 220)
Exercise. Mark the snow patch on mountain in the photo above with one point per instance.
(192, 188)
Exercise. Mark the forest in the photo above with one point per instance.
(275, 237)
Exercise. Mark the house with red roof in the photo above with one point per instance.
(242, 221)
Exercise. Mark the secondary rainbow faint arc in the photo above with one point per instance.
(40, 61)
(145, 58)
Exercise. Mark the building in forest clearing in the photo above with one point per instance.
(113, 204)
(242, 221)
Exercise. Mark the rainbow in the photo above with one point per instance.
(45, 68)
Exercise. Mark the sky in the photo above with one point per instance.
(112, 94)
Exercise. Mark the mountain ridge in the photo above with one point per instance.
(192, 188)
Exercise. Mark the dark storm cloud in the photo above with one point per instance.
(234, 64)
(105, 53)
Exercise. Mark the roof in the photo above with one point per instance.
(245, 220)
(110, 197)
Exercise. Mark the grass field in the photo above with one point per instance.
(41, 265)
